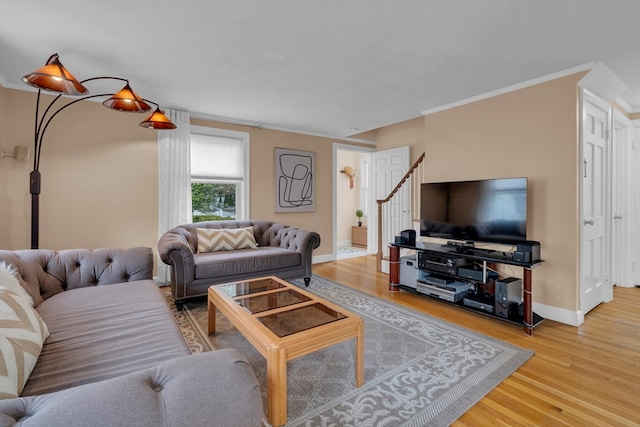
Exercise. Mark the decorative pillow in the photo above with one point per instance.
(9, 280)
(22, 334)
(225, 239)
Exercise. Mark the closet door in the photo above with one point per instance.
(594, 285)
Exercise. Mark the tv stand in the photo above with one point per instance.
(461, 274)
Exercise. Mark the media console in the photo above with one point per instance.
(466, 277)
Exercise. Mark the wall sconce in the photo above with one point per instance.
(56, 78)
(19, 153)
(351, 173)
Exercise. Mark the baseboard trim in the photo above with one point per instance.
(323, 258)
(568, 317)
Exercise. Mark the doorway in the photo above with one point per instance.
(623, 189)
(351, 193)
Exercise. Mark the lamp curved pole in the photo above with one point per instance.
(41, 130)
(41, 125)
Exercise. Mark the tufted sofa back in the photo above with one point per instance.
(44, 273)
(266, 233)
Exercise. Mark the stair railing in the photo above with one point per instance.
(409, 174)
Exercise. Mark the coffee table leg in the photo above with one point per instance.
(211, 317)
(277, 386)
(360, 356)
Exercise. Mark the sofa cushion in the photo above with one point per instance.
(22, 333)
(85, 323)
(261, 259)
(215, 388)
(213, 240)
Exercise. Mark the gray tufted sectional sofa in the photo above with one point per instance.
(115, 356)
(283, 251)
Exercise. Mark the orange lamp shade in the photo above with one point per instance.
(127, 100)
(157, 120)
(54, 77)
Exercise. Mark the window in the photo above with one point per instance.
(219, 174)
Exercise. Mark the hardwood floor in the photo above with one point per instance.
(584, 376)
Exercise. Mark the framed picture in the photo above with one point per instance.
(295, 180)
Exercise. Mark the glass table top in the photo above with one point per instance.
(300, 319)
(250, 287)
(295, 311)
(270, 301)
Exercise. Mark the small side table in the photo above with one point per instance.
(359, 236)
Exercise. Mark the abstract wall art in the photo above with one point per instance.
(295, 180)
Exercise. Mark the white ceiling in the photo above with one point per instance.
(334, 68)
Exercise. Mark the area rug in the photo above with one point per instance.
(419, 370)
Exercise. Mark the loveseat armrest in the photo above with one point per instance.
(216, 388)
(299, 240)
(296, 239)
(175, 250)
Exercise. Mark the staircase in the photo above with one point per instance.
(383, 213)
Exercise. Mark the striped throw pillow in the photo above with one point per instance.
(226, 239)
(22, 334)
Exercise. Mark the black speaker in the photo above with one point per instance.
(530, 250)
(520, 257)
(409, 237)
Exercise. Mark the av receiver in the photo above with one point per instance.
(436, 261)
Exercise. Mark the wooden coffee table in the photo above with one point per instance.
(284, 322)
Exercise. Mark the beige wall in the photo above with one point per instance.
(531, 132)
(100, 172)
(3, 162)
(100, 178)
(262, 202)
(348, 200)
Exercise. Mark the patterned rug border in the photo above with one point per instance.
(423, 327)
(435, 320)
(517, 356)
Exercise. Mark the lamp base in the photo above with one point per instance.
(34, 189)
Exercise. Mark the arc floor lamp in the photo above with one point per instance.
(54, 77)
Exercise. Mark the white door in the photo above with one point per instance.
(388, 167)
(634, 216)
(622, 199)
(594, 286)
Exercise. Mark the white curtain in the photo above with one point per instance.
(174, 176)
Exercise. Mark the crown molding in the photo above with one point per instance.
(512, 88)
(254, 125)
(625, 106)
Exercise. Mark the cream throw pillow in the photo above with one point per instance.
(225, 239)
(8, 280)
(22, 334)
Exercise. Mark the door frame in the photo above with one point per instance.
(342, 147)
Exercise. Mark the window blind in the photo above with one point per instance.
(216, 157)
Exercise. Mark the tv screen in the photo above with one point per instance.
(491, 210)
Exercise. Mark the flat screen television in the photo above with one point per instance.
(489, 210)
